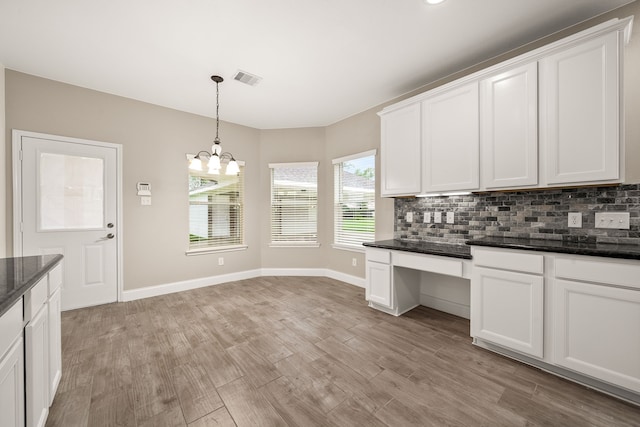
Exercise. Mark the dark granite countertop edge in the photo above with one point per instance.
(7, 301)
(437, 248)
(540, 245)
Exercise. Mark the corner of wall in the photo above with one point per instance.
(3, 176)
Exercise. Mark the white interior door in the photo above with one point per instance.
(69, 206)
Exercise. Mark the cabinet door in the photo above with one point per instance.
(580, 112)
(55, 344)
(509, 128)
(400, 149)
(596, 331)
(450, 135)
(12, 386)
(507, 309)
(37, 368)
(379, 284)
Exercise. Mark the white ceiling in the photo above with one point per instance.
(320, 60)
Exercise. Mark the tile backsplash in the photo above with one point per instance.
(535, 214)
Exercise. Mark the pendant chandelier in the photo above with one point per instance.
(216, 157)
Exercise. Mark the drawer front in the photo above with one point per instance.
(513, 259)
(35, 299)
(378, 255)
(55, 279)
(10, 326)
(432, 263)
(590, 269)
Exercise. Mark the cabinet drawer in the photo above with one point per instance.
(378, 255)
(55, 278)
(509, 260)
(35, 299)
(596, 270)
(10, 326)
(432, 263)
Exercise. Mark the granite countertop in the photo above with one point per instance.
(593, 249)
(455, 250)
(18, 275)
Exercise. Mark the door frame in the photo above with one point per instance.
(17, 192)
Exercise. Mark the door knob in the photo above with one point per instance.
(110, 225)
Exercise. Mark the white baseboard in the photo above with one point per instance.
(169, 288)
(447, 306)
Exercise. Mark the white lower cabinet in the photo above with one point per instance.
(507, 308)
(596, 331)
(379, 284)
(12, 367)
(55, 343)
(37, 368)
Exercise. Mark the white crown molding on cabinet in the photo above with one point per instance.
(186, 285)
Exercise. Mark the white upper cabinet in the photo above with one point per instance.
(450, 138)
(580, 112)
(509, 128)
(400, 152)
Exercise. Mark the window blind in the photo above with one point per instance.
(354, 199)
(294, 203)
(216, 217)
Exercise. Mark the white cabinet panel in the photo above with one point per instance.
(12, 386)
(55, 343)
(596, 331)
(509, 128)
(580, 112)
(400, 152)
(379, 284)
(507, 308)
(37, 368)
(450, 138)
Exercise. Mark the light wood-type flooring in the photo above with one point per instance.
(300, 351)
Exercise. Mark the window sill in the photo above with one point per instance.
(348, 248)
(204, 251)
(294, 245)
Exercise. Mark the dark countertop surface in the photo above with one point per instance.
(593, 249)
(455, 250)
(18, 275)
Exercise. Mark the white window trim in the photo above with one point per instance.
(350, 248)
(204, 251)
(354, 156)
(293, 165)
(294, 245)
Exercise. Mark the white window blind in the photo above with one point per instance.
(354, 199)
(216, 217)
(294, 203)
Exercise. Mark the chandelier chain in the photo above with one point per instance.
(217, 109)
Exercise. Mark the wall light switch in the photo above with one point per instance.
(437, 217)
(426, 218)
(409, 217)
(616, 220)
(450, 217)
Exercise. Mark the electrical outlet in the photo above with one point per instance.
(437, 217)
(409, 217)
(615, 220)
(426, 217)
(354, 262)
(145, 201)
(221, 261)
(575, 220)
(450, 217)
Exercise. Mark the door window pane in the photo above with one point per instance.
(71, 192)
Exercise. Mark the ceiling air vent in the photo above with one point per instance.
(247, 78)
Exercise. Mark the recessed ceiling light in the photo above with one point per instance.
(433, 1)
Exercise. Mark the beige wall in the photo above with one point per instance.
(155, 141)
(5, 177)
(283, 146)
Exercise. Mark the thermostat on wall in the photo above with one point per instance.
(144, 189)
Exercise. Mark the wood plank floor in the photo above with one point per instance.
(299, 351)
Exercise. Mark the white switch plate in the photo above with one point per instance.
(574, 220)
(145, 201)
(409, 217)
(426, 218)
(450, 217)
(615, 220)
(437, 217)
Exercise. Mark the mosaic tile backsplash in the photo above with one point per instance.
(534, 214)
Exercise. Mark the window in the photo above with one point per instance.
(216, 217)
(294, 204)
(354, 199)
